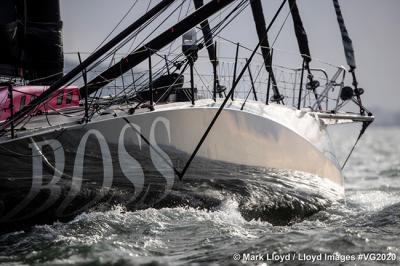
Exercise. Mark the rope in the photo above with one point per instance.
(119, 23)
(228, 96)
(218, 27)
(362, 131)
(134, 39)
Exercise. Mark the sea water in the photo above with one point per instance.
(362, 230)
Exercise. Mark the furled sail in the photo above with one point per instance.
(43, 57)
(8, 38)
(33, 48)
(347, 43)
(300, 32)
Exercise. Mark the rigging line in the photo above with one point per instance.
(186, 92)
(70, 75)
(220, 24)
(47, 118)
(49, 76)
(187, 10)
(134, 39)
(155, 52)
(27, 118)
(155, 74)
(142, 85)
(255, 80)
(112, 53)
(110, 103)
(134, 86)
(179, 17)
(14, 153)
(171, 86)
(24, 92)
(179, 55)
(215, 17)
(151, 146)
(116, 97)
(136, 81)
(163, 68)
(281, 50)
(92, 102)
(127, 94)
(161, 23)
(62, 131)
(227, 97)
(215, 28)
(123, 43)
(119, 23)
(163, 58)
(281, 28)
(65, 114)
(362, 131)
(240, 5)
(250, 90)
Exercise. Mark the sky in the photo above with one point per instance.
(373, 25)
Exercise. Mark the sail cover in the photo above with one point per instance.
(8, 38)
(43, 56)
(31, 40)
(347, 43)
(300, 32)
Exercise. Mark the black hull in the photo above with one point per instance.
(133, 161)
(278, 202)
(207, 186)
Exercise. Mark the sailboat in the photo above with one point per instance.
(149, 141)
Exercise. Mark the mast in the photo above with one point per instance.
(258, 15)
(91, 59)
(154, 45)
